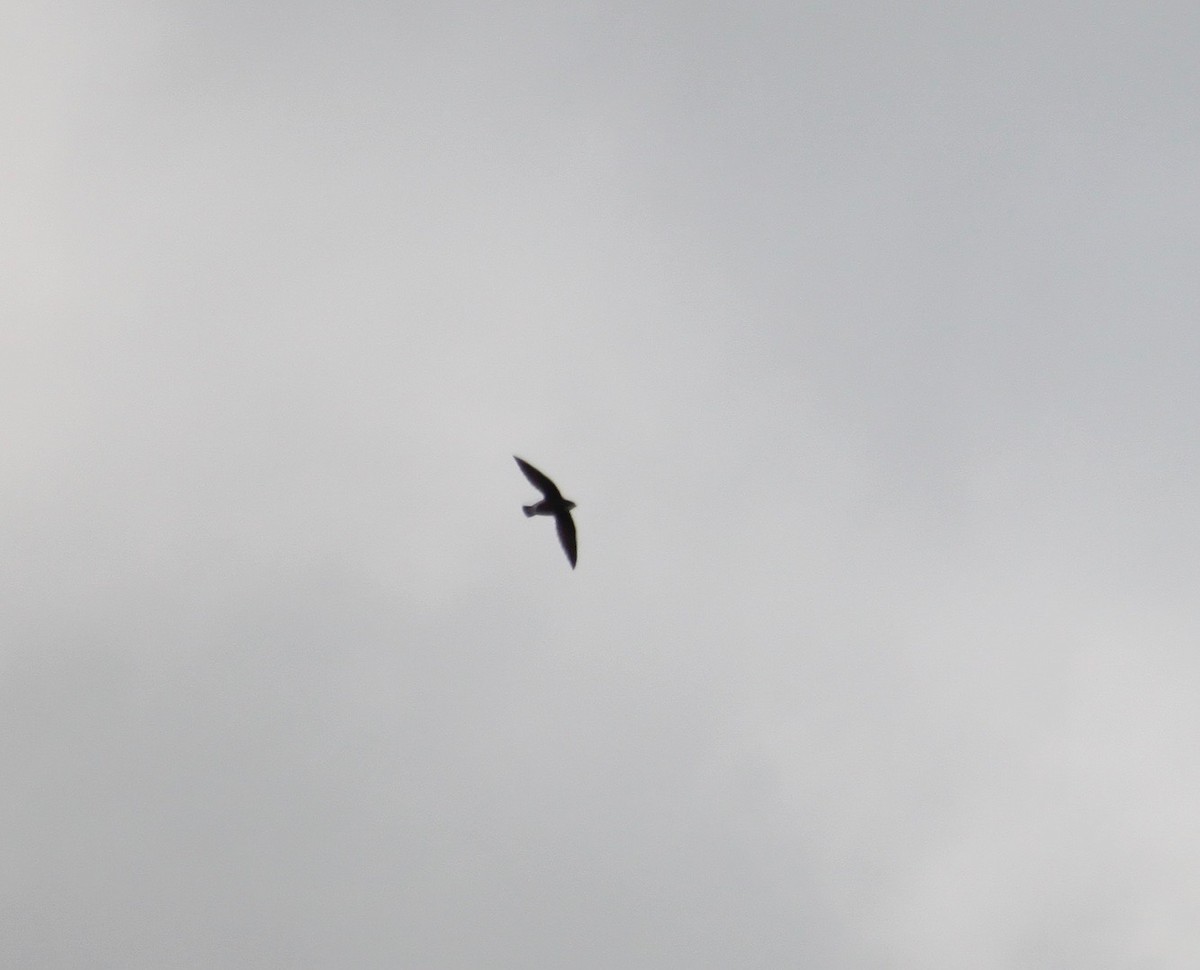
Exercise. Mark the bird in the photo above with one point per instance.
(553, 504)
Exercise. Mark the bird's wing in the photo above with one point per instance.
(566, 535)
(539, 481)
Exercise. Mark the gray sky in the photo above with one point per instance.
(864, 335)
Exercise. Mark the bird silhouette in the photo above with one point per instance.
(553, 504)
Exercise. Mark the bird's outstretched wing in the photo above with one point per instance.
(543, 485)
(566, 535)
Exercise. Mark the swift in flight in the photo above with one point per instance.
(554, 504)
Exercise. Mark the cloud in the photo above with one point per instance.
(864, 345)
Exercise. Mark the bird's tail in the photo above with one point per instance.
(528, 510)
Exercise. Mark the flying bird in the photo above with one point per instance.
(553, 504)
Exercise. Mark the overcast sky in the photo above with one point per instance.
(866, 337)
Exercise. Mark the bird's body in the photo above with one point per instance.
(552, 504)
